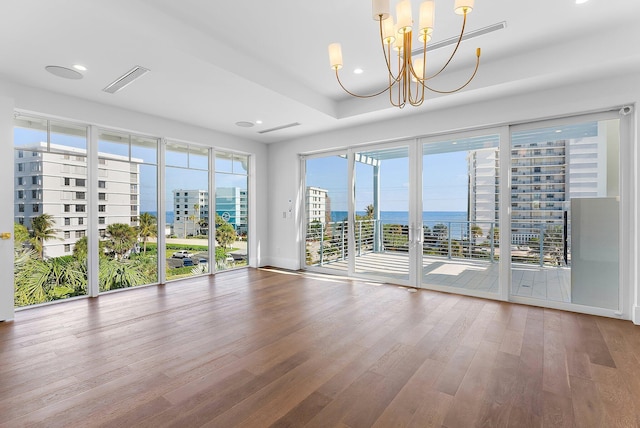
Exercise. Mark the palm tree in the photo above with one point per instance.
(196, 215)
(122, 238)
(370, 211)
(148, 228)
(20, 235)
(42, 230)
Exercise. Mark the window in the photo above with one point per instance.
(67, 221)
(67, 208)
(34, 194)
(21, 167)
(80, 195)
(101, 220)
(102, 196)
(35, 208)
(67, 181)
(102, 208)
(102, 184)
(80, 208)
(80, 182)
(20, 208)
(35, 180)
(80, 220)
(20, 154)
(67, 234)
(35, 166)
(21, 220)
(102, 232)
(20, 194)
(177, 212)
(80, 233)
(67, 248)
(20, 181)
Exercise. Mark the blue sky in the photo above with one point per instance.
(444, 182)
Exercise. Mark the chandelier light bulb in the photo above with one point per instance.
(427, 17)
(463, 6)
(380, 7)
(335, 56)
(403, 16)
(388, 31)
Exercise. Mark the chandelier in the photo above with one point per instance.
(409, 81)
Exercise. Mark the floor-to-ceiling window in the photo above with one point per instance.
(326, 212)
(50, 210)
(231, 210)
(530, 212)
(187, 205)
(565, 197)
(461, 212)
(127, 212)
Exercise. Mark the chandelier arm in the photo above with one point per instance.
(464, 23)
(461, 87)
(361, 96)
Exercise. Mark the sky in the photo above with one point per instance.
(444, 182)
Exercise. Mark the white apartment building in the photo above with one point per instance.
(316, 204)
(190, 207)
(545, 176)
(483, 167)
(55, 182)
(191, 210)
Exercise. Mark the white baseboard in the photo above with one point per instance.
(635, 317)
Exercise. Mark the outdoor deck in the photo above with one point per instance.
(541, 282)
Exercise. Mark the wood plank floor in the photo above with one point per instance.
(262, 348)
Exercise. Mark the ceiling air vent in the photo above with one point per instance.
(277, 128)
(125, 79)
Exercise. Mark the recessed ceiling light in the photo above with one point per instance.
(64, 72)
(558, 130)
(581, 1)
(259, 122)
(79, 67)
(244, 124)
(358, 71)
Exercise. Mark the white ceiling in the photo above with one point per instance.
(214, 63)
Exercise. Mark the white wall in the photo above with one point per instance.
(17, 97)
(6, 215)
(284, 171)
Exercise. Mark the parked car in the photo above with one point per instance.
(182, 254)
(187, 261)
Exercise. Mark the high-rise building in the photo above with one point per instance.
(54, 181)
(191, 210)
(545, 176)
(316, 204)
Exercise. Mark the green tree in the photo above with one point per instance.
(476, 231)
(147, 228)
(81, 249)
(114, 274)
(39, 281)
(195, 216)
(20, 235)
(370, 211)
(42, 230)
(225, 233)
(121, 238)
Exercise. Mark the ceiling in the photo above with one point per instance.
(214, 63)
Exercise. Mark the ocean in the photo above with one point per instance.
(429, 218)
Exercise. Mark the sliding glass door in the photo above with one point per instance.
(565, 222)
(531, 213)
(461, 213)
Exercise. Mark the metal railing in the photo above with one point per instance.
(544, 244)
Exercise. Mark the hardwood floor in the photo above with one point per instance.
(260, 348)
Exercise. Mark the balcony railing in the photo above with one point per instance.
(541, 244)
